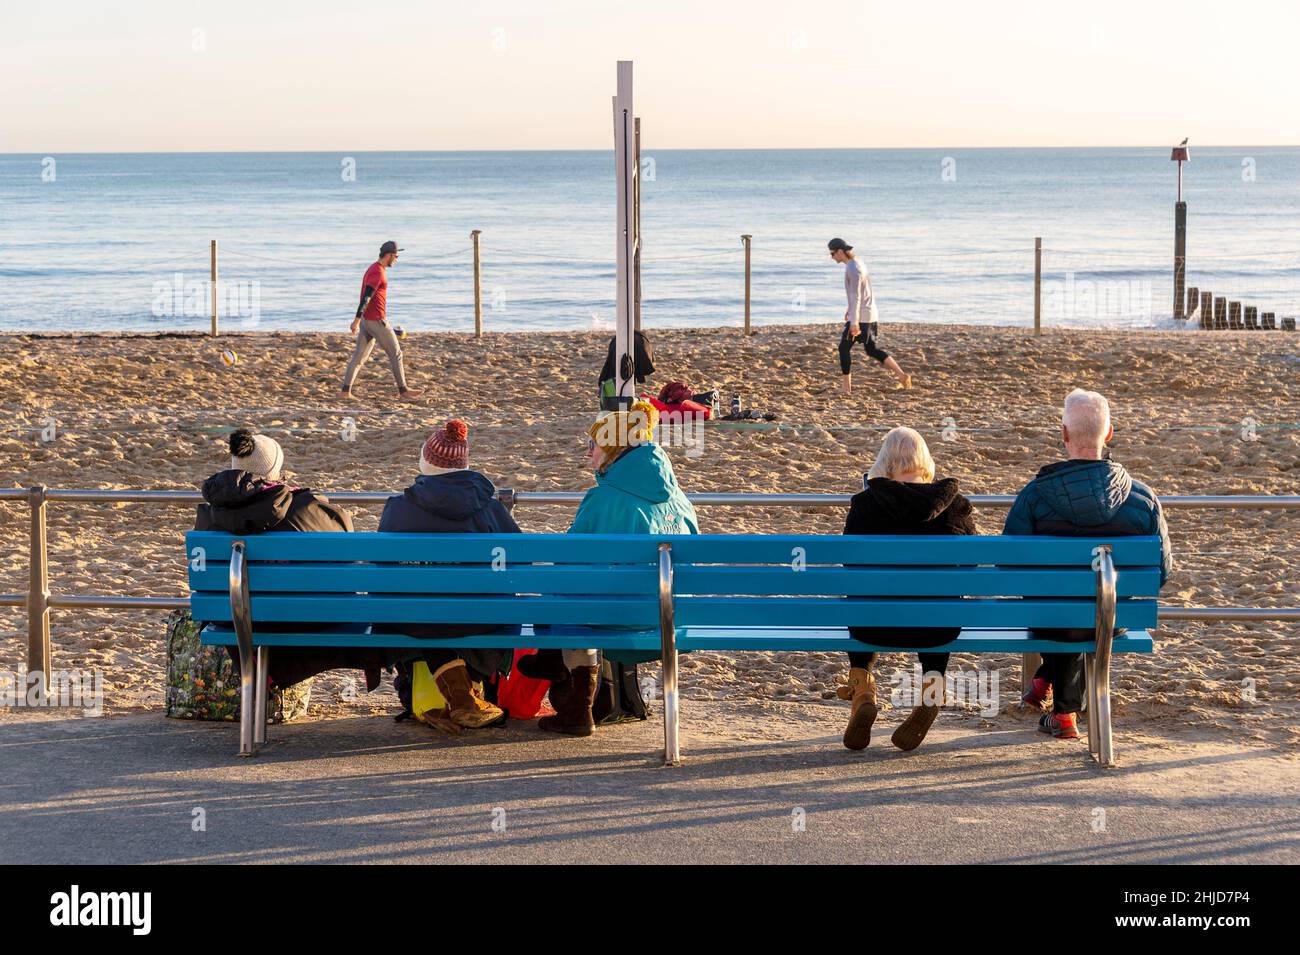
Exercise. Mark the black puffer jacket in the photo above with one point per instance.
(239, 503)
(896, 507)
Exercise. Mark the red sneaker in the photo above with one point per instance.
(1035, 698)
(1060, 725)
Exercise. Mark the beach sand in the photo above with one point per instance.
(1195, 413)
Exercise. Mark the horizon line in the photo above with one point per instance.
(553, 149)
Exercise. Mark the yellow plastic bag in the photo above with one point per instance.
(425, 694)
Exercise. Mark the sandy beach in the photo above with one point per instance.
(1195, 413)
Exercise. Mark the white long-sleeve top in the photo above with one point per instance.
(857, 286)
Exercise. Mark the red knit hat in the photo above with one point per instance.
(447, 449)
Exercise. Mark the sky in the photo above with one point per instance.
(185, 75)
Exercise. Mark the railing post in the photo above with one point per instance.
(212, 288)
(746, 239)
(478, 286)
(1038, 286)
(38, 591)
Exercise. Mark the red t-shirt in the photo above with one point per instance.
(376, 278)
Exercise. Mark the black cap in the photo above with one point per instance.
(389, 246)
(839, 245)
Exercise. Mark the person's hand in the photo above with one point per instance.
(855, 329)
(356, 323)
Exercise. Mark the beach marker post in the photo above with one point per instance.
(478, 285)
(746, 240)
(1180, 155)
(1193, 301)
(1038, 286)
(1207, 310)
(1234, 316)
(212, 288)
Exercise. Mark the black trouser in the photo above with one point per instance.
(930, 662)
(1064, 670)
(867, 336)
(920, 638)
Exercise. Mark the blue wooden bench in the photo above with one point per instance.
(671, 594)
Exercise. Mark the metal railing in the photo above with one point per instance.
(39, 601)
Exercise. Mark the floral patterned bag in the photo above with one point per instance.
(203, 684)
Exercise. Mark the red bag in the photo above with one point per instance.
(520, 696)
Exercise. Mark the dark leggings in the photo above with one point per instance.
(930, 662)
(867, 336)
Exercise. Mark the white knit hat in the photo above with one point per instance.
(265, 459)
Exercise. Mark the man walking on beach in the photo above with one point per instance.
(860, 321)
(370, 326)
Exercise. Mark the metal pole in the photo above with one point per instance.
(1038, 286)
(1180, 251)
(38, 591)
(636, 227)
(478, 286)
(212, 288)
(746, 239)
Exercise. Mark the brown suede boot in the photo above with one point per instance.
(861, 689)
(912, 730)
(573, 713)
(464, 707)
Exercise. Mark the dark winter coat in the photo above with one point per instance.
(896, 507)
(238, 503)
(1090, 499)
(457, 502)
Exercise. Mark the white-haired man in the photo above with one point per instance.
(1087, 495)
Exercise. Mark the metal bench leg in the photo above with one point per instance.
(1099, 701)
(242, 618)
(668, 641)
(263, 677)
(1090, 676)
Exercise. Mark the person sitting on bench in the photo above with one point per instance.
(902, 497)
(636, 492)
(253, 497)
(450, 498)
(1087, 495)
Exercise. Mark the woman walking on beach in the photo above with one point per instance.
(860, 318)
(902, 497)
(371, 325)
(636, 492)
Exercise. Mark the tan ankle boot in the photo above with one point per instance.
(912, 730)
(464, 707)
(861, 689)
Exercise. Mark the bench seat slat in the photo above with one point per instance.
(566, 638)
(837, 638)
(807, 639)
(643, 611)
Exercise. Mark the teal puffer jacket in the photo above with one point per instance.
(637, 494)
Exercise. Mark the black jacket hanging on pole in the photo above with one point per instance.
(643, 356)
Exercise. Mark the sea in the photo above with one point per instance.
(115, 242)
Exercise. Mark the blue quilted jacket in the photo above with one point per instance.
(1090, 499)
